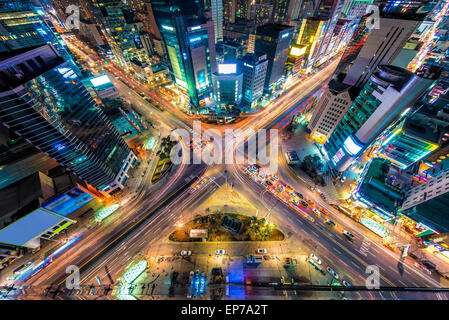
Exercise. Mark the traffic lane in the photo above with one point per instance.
(363, 237)
(88, 246)
(159, 226)
(345, 249)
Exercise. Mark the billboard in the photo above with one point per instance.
(100, 80)
(352, 146)
(29, 227)
(227, 68)
(297, 51)
(68, 202)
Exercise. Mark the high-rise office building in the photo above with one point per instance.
(397, 22)
(261, 13)
(333, 104)
(217, 18)
(229, 10)
(43, 100)
(388, 93)
(122, 33)
(280, 10)
(228, 84)
(190, 44)
(274, 40)
(311, 33)
(328, 10)
(254, 68)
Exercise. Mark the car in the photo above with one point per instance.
(275, 178)
(186, 253)
(310, 202)
(264, 184)
(311, 219)
(295, 201)
(331, 223)
(311, 188)
(322, 195)
(346, 283)
(304, 204)
(314, 257)
(279, 190)
(323, 211)
(316, 212)
(348, 235)
(262, 251)
(332, 272)
(268, 183)
(257, 166)
(220, 252)
(291, 194)
(299, 195)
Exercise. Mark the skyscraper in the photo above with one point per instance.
(388, 93)
(229, 10)
(398, 20)
(122, 33)
(190, 43)
(217, 18)
(254, 68)
(228, 83)
(43, 100)
(274, 40)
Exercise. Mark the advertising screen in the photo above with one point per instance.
(227, 68)
(68, 202)
(100, 80)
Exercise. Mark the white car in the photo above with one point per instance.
(314, 257)
(316, 212)
(220, 252)
(349, 235)
(332, 272)
(262, 251)
(186, 253)
(311, 219)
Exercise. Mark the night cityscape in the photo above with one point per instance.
(224, 150)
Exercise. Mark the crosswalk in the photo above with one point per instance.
(364, 247)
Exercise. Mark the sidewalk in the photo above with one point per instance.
(304, 146)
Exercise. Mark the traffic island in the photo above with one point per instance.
(164, 163)
(220, 226)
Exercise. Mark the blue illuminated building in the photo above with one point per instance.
(189, 40)
(43, 100)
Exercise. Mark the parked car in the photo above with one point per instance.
(331, 223)
(186, 253)
(314, 257)
(220, 252)
(346, 283)
(332, 272)
(262, 251)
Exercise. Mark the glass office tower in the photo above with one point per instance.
(43, 100)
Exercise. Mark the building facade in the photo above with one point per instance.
(388, 93)
(44, 101)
